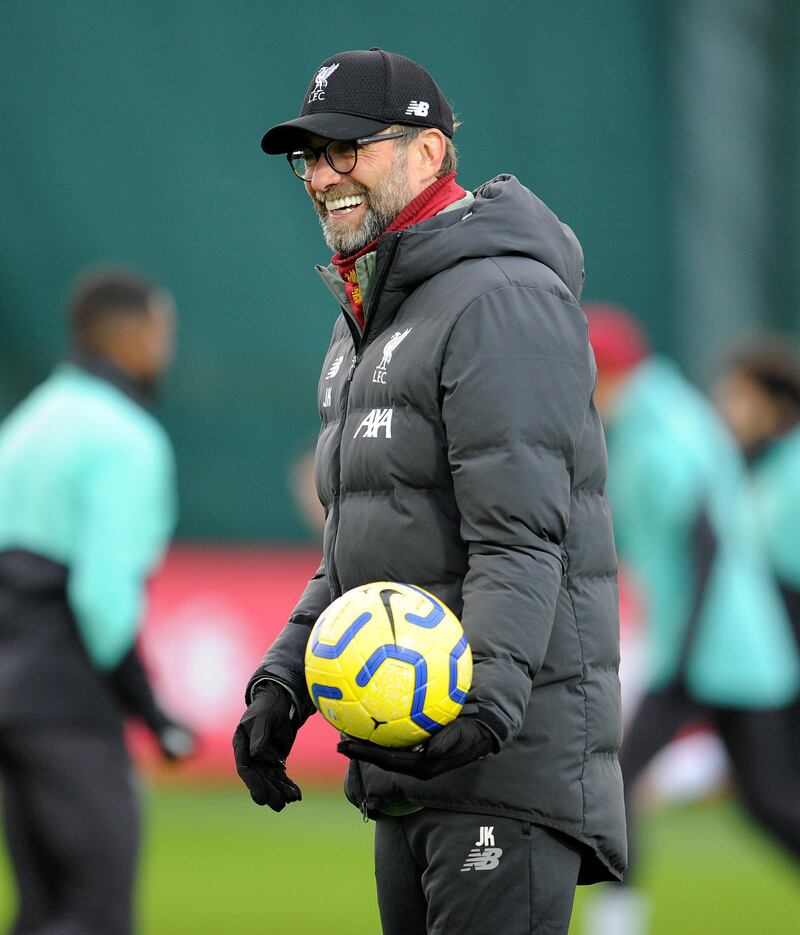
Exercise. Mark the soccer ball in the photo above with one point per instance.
(388, 663)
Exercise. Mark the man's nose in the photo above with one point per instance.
(323, 175)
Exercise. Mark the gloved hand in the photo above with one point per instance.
(177, 741)
(133, 690)
(462, 741)
(261, 744)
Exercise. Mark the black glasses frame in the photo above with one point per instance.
(318, 151)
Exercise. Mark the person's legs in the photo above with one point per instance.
(401, 901)
(74, 796)
(555, 863)
(35, 895)
(657, 720)
(620, 908)
(761, 747)
(482, 873)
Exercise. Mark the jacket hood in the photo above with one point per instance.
(505, 219)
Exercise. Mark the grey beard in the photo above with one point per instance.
(386, 201)
(349, 242)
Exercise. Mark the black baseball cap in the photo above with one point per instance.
(359, 93)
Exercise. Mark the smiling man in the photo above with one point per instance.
(460, 450)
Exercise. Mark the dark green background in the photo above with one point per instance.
(129, 131)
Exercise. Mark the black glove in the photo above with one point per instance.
(177, 741)
(462, 741)
(133, 690)
(261, 744)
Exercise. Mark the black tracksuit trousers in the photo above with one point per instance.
(454, 873)
(761, 746)
(71, 822)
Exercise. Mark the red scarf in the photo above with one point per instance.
(431, 201)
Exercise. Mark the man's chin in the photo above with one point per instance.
(346, 224)
(345, 238)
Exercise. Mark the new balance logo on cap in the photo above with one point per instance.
(418, 109)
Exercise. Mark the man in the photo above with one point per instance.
(718, 642)
(758, 395)
(86, 510)
(460, 451)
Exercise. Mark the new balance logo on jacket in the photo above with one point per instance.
(334, 368)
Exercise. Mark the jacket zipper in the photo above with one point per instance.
(358, 340)
(380, 282)
(337, 495)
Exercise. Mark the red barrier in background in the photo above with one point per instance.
(212, 612)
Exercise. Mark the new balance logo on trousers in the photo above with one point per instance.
(424, 864)
(483, 856)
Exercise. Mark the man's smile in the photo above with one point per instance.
(340, 205)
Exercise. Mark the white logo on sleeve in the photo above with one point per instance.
(327, 400)
(376, 420)
(379, 375)
(484, 856)
(418, 109)
(321, 82)
(334, 368)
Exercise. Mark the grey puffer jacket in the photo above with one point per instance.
(460, 450)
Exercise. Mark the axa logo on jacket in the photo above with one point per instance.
(374, 421)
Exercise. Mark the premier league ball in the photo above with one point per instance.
(388, 663)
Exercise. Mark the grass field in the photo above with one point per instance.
(217, 865)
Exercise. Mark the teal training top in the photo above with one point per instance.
(776, 491)
(87, 479)
(670, 459)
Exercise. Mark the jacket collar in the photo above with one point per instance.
(367, 265)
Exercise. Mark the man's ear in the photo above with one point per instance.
(429, 152)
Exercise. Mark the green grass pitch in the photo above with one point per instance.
(217, 865)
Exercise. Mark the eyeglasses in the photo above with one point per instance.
(341, 155)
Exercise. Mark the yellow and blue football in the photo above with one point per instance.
(388, 663)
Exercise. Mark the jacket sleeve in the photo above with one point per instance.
(284, 661)
(131, 685)
(516, 383)
(127, 510)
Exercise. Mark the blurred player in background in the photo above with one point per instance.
(87, 506)
(758, 395)
(304, 489)
(460, 450)
(719, 644)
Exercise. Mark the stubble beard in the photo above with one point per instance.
(384, 202)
